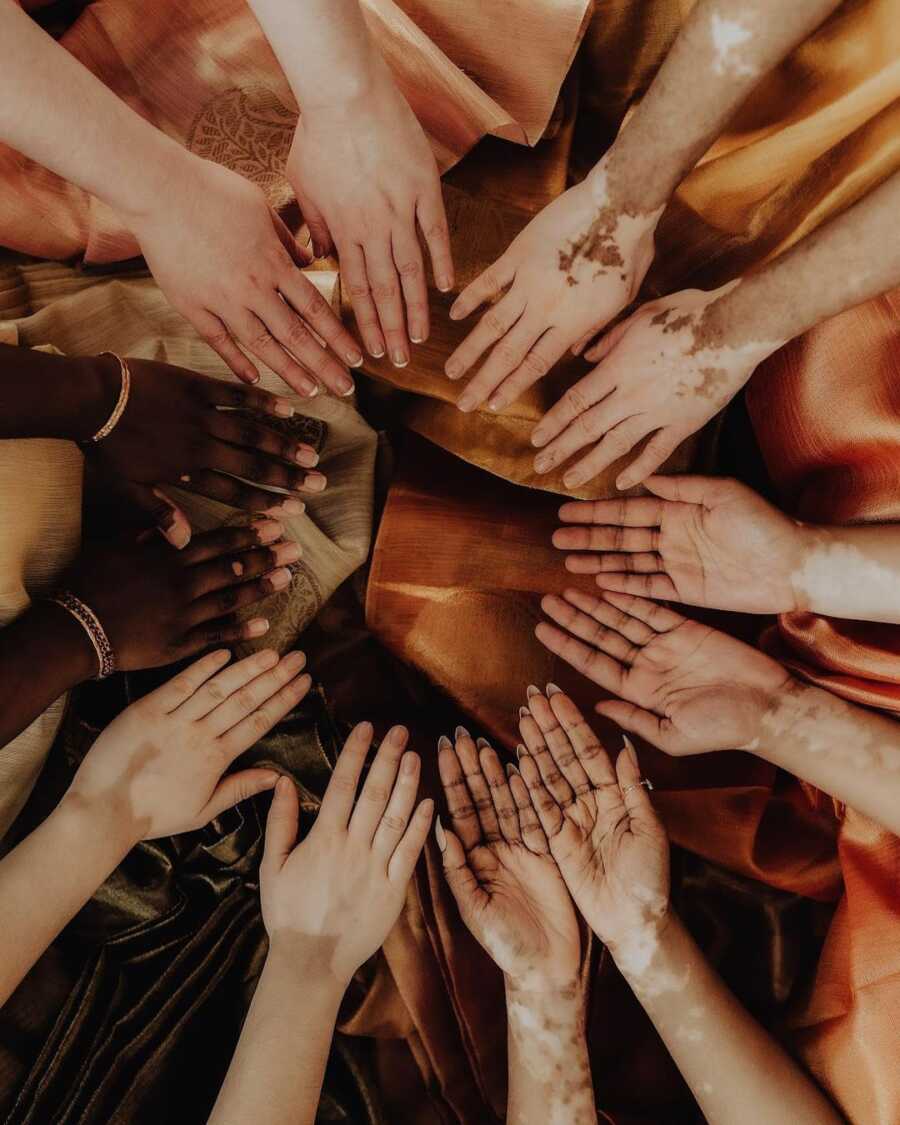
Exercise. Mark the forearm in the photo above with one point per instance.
(53, 110)
(46, 880)
(737, 1072)
(841, 264)
(323, 46)
(851, 572)
(549, 1068)
(43, 654)
(55, 396)
(275, 1077)
(722, 51)
(849, 752)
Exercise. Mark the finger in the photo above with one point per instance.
(597, 666)
(222, 631)
(635, 719)
(217, 336)
(356, 283)
(559, 741)
(177, 691)
(309, 304)
(647, 585)
(486, 287)
(433, 221)
(579, 347)
(504, 805)
(248, 696)
(386, 291)
(506, 356)
(231, 540)
(378, 786)
(158, 511)
(493, 326)
(281, 825)
(621, 539)
(467, 752)
(408, 260)
(635, 795)
(606, 343)
(337, 804)
(618, 443)
(464, 887)
(585, 430)
(232, 679)
(657, 450)
(536, 745)
(296, 340)
(237, 787)
(396, 816)
(533, 836)
(637, 511)
(690, 489)
(245, 497)
(589, 753)
(586, 628)
(232, 570)
(406, 854)
(658, 617)
(537, 363)
(250, 730)
(463, 815)
(216, 392)
(299, 255)
(605, 613)
(222, 603)
(548, 811)
(578, 400)
(239, 430)
(256, 336)
(319, 234)
(261, 469)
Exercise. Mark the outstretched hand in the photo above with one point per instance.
(498, 865)
(603, 832)
(703, 541)
(681, 685)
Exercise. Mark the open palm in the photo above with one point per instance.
(498, 865)
(683, 686)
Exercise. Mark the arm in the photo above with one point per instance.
(328, 905)
(583, 259)
(689, 689)
(713, 542)
(613, 853)
(511, 896)
(157, 770)
(362, 167)
(56, 112)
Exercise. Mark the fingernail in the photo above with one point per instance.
(444, 283)
(466, 404)
(572, 480)
(306, 457)
(511, 769)
(520, 750)
(311, 391)
(461, 732)
(289, 507)
(623, 483)
(444, 743)
(282, 786)
(399, 358)
(543, 464)
(179, 537)
(294, 661)
(278, 579)
(348, 391)
(494, 405)
(409, 763)
(552, 689)
(287, 553)
(417, 339)
(355, 359)
(315, 482)
(451, 369)
(483, 744)
(628, 747)
(267, 531)
(257, 627)
(524, 713)
(439, 834)
(377, 352)
(237, 568)
(284, 408)
(532, 691)
(539, 437)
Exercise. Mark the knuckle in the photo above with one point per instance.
(297, 335)
(244, 699)
(384, 290)
(358, 289)
(411, 270)
(575, 401)
(376, 793)
(393, 823)
(535, 363)
(343, 783)
(216, 692)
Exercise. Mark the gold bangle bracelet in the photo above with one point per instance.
(88, 620)
(119, 409)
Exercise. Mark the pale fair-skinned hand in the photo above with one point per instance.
(662, 374)
(498, 866)
(603, 832)
(681, 685)
(704, 541)
(365, 174)
(230, 266)
(162, 764)
(336, 894)
(572, 269)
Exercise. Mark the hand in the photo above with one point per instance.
(497, 861)
(336, 895)
(574, 267)
(189, 430)
(158, 605)
(161, 765)
(681, 685)
(663, 373)
(604, 834)
(229, 265)
(364, 173)
(707, 541)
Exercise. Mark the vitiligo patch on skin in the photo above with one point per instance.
(728, 39)
(840, 574)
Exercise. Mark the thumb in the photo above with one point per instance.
(159, 511)
(606, 343)
(237, 787)
(281, 824)
(319, 233)
(460, 877)
(300, 255)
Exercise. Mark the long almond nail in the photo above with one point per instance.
(532, 691)
(483, 744)
(461, 732)
(444, 743)
(439, 834)
(524, 713)
(552, 689)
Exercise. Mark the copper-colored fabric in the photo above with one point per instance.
(202, 71)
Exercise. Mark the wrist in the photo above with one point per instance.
(635, 951)
(99, 381)
(163, 163)
(73, 655)
(308, 958)
(356, 94)
(100, 819)
(738, 318)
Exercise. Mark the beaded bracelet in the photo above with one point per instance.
(87, 619)
(119, 409)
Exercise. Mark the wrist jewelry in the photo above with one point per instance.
(119, 409)
(87, 619)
